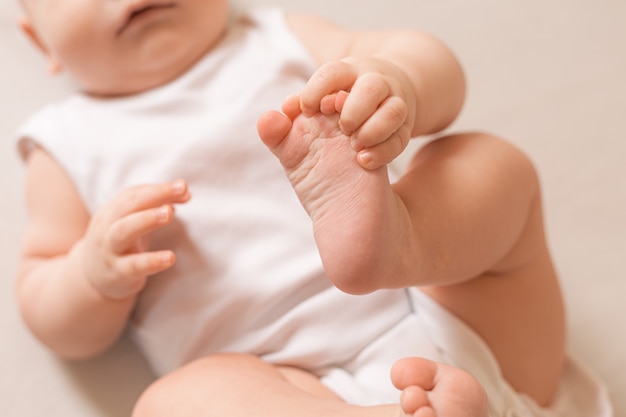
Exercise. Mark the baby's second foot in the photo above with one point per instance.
(349, 205)
(431, 389)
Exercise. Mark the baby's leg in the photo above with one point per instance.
(487, 208)
(464, 224)
(245, 386)
(432, 389)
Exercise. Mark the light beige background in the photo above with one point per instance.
(548, 75)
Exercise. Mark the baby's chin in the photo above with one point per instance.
(133, 83)
(148, 68)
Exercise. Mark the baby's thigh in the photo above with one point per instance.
(515, 304)
(230, 385)
(519, 314)
(307, 382)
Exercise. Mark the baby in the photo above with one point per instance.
(428, 277)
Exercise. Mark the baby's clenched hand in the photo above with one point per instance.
(114, 252)
(376, 102)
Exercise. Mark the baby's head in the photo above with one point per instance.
(120, 47)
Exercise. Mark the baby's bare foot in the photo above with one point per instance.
(349, 205)
(431, 389)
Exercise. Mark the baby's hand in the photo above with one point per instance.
(377, 112)
(114, 252)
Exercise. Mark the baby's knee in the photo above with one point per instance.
(477, 155)
(154, 401)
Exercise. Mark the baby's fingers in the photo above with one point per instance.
(328, 79)
(142, 197)
(384, 153)
(126, 232)
(367, 94)
(145, 263)
(135, 269)
(390, 116)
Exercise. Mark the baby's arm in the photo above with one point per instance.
(79, 275)
(402, 84)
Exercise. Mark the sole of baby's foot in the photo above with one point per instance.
(431, 389)
(350, 206)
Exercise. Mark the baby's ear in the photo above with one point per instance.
(27, 28)
(54, 67)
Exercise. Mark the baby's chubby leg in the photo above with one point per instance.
(358, 220)
(464, 224)
(237, 385)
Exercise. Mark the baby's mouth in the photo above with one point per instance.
(141, 11)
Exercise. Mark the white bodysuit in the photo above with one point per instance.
(248, 277)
